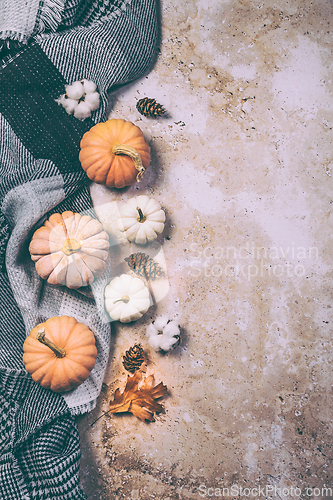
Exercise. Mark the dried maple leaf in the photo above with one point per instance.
(139, 401)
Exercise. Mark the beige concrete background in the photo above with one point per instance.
(242, 166)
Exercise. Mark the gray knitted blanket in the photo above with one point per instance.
(45, 45)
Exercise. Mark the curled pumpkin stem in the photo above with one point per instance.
(141, 218)
(124, 149)
(125, 298)
(58, 351)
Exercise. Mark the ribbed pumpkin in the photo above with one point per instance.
(70, 249)
(114, 153)
(126, 298)
(60, 353)
(142, 219)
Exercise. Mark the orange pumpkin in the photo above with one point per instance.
(114, 153)
(70, 249)
(60, 353)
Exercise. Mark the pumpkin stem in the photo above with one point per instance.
(58, 351)
(71, 245)
(142, 217)
(103, 415)
(124, 149)
(125, 298)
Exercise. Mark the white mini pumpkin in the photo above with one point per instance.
(126, 298)
(142, 219)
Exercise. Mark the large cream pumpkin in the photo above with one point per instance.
(70, 249)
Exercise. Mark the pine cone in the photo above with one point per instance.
(149, 107)
(133, 358)
(145, 266)
(153, 270)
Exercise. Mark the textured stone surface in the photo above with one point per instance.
(242, 165)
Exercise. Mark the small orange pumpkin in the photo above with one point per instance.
(60, 353)
(70, 249)
(114, 153)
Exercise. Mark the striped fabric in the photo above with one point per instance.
(111, 42)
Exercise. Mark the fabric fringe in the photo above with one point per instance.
(13, 35)
(49, 15)
(7, 48)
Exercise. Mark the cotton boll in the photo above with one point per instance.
(92, 100)
(61, 99)
(154, 341)
(82, 111)
(151, 330)
(161, 322)
(167, 342)
(70, 105)
(171, 329)
(75, 90)
(163, 334)
(88, 86)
